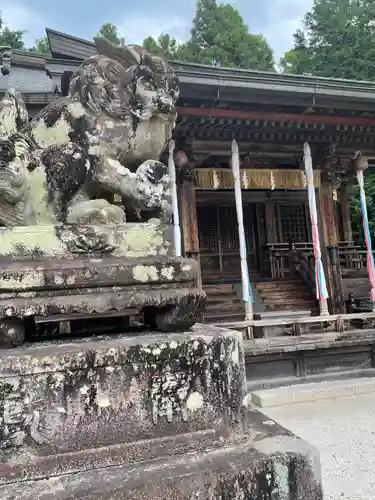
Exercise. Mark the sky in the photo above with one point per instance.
(277, 20)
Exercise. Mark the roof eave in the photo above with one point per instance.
(309, 89)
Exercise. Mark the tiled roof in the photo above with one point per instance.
(28, 80)
(68, 46)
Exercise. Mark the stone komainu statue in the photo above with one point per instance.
(105, 138)
(59, 176)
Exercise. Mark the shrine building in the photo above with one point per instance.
(271, 116)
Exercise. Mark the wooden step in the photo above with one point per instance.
(290, 307)
(285, 281)
(227, 288)
(283, 288)
(288, 298)
(304, 294)
(291, 304)
(213, 299)
(209, 317)
(286, 295)
(224, 305)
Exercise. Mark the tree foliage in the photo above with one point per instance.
(355, 208)
(219, 36)
(12, 38)
(337, 40)
(41, 46)
(297, 60)
(165, 46)
(110, 32)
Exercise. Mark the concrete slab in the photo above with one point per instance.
(303, 393)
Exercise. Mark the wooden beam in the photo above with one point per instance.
(277, 117)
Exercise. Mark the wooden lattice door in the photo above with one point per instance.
(219, 242)
(293, 223)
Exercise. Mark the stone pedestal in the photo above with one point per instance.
(151, 416)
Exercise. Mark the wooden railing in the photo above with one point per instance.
(279, 257)
(352, 256)
(303, 265)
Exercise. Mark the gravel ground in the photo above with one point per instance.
(344, 432)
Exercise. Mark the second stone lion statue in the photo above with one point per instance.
(105, 138)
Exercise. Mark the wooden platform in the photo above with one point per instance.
(284, 361)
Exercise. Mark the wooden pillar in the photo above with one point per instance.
(329, 248)
(345, 212)
(270, 215)
(271, 233)
(188, 216)
(188, 209)
(187, 205)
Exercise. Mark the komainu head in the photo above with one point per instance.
(126, 80)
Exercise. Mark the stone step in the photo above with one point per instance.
(304, 393)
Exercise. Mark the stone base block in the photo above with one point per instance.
(269, 463)
(149, 416)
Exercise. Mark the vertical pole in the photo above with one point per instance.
(320, 280)
(361, 165)
(176, 217)
(246, 290)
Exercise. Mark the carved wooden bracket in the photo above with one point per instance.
(184, 167)
(336, 168)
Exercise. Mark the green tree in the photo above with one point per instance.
(355, 208)
(220, 37)
(337, 41)
(165, 46)
(13, 38)
(41, 46)
(110, 32)
(297, 60)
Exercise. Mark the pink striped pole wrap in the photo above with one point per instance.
(320, 281)
(366, 230)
